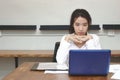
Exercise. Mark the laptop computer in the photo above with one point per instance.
(89, 62)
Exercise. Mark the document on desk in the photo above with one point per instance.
(51, 66)
(60, 68)
(55, 72)
(116, 75)
(115, 68)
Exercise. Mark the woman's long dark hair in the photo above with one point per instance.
(79, 13)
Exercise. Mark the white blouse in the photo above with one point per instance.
(63, 50)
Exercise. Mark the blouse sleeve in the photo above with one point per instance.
(62, 53)
(93, 43)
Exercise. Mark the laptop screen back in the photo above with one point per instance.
(89, 62)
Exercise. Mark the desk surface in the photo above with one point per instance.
(38, 53)
(26, 53)
(115, 53)
(23, 72)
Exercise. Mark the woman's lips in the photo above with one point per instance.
(81, 33)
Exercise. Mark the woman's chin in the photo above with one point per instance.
(81, 34)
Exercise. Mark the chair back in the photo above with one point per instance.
(57, 44)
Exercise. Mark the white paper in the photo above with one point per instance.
(114, 68)
(47, 65)
(116, 75)
(54, 72)
(52, 66)
(62, 66)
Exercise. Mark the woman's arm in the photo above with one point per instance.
(93, 43)
(63, 50)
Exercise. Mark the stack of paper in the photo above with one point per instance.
(60, 68)
(116, 70)
(116, 75)
(54, 72)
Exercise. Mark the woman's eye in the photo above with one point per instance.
(77, 24)
(85, 25)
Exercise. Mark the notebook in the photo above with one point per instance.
(49, 66)
(89, 62)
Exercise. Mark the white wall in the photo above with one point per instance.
(56, 11)
(52, 12)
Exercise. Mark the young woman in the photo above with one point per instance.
(79, 38)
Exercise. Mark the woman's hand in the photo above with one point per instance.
(85, 38)
(78, 39)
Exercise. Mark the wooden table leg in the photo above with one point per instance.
(16, 62)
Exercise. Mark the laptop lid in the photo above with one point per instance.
(89, 62)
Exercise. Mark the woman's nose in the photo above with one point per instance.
(80, 28)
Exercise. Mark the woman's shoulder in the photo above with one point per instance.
(63, 37)
(94, 36)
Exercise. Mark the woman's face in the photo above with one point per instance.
(80, 26)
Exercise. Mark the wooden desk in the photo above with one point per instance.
(37, 53)
(23, 72)
(25, 53)
(115, 53)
